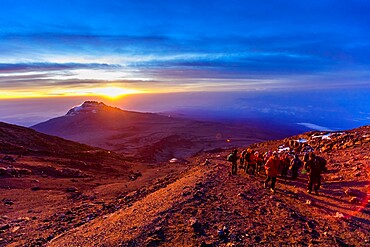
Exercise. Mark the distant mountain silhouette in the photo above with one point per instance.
(151, 136)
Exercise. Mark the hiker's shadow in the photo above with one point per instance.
(341, 184)
(336, 198)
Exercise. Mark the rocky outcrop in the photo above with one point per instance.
(11, 171)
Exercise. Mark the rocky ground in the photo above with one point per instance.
(198, 204)
(194, 209)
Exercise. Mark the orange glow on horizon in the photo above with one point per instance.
(111, 92)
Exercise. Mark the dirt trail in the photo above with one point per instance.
(127, 225)
(192, 210)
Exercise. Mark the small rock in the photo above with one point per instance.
(336, 178)
(152, 241)
(69, 212)
(311, 224)
(193, 222)
(257, 239)
(355, 200)
(4, 227)
(221, 234)
(51, 236)
(197, 226)
(205, 244)
(339, 215)
(198, 194)
(20, 219)
(199, 184)
(14, 229)
(7, 202)
(72, 189)
(9, 158)
(186, 193)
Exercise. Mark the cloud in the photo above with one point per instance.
(32, 67)
(315, 127)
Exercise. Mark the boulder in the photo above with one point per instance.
(134, 175)
(3, 171)
(336, 178)
(9, 158)
(7, 201)
(4, 227)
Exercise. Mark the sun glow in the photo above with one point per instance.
(112, 92)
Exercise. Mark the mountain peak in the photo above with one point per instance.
(87, 107)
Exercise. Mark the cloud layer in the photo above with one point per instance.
(192, 46)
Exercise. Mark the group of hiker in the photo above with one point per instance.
(274, 162)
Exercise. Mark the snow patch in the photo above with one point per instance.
(323, 137)
(86, 107)
(174, 160)
(327, 136)
(282, 149)
(302, 140)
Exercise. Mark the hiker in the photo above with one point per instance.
(272, 168)
(241, 159)
(306, 157)
(259, 161)
(315, 166)
(284, 162)
(295, 164)
(247, 159)
(267, 155)
(233, 158)
(252, 162)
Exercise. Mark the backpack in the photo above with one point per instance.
(230, 157)
(306, 157)
(247, 157)
(322, 163)
(296, 163)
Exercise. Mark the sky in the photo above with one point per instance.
(274, 49)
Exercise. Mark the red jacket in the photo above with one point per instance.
(272, 166)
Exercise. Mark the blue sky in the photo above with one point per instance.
(73, 48)
(184, 45)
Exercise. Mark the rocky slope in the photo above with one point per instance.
(206, 206)
(20, 140)
(202, 204)
(49, 185)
